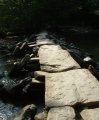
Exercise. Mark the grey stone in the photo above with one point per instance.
(61, 113)
(27, 113)
(90, 114)
(54, 59)
(73, 87)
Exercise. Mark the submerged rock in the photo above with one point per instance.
(27, 113)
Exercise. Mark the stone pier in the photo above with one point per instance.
(67, 84)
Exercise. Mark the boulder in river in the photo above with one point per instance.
(27, 113)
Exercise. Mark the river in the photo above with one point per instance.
(89, 43)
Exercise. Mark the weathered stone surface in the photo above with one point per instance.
(90, 114)
(45, 42)
(71, 87)
(54, 59)
(61, 113)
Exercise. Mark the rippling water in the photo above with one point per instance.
(7, 110)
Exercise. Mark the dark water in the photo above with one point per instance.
(87, 43)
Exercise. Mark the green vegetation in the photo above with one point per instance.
(22, 16)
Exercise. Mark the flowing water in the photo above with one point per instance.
(88, 43)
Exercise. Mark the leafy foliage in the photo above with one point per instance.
(27, 15)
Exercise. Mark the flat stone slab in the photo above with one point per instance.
(54, 59)
(61, 113)
(73, 87)
(90, 114)
(45, 42)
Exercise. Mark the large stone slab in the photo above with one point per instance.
(61, 113)
(77, 86)
(90, 114)
(45, 42)
(54, 59)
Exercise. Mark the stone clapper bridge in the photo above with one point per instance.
(68, 81)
